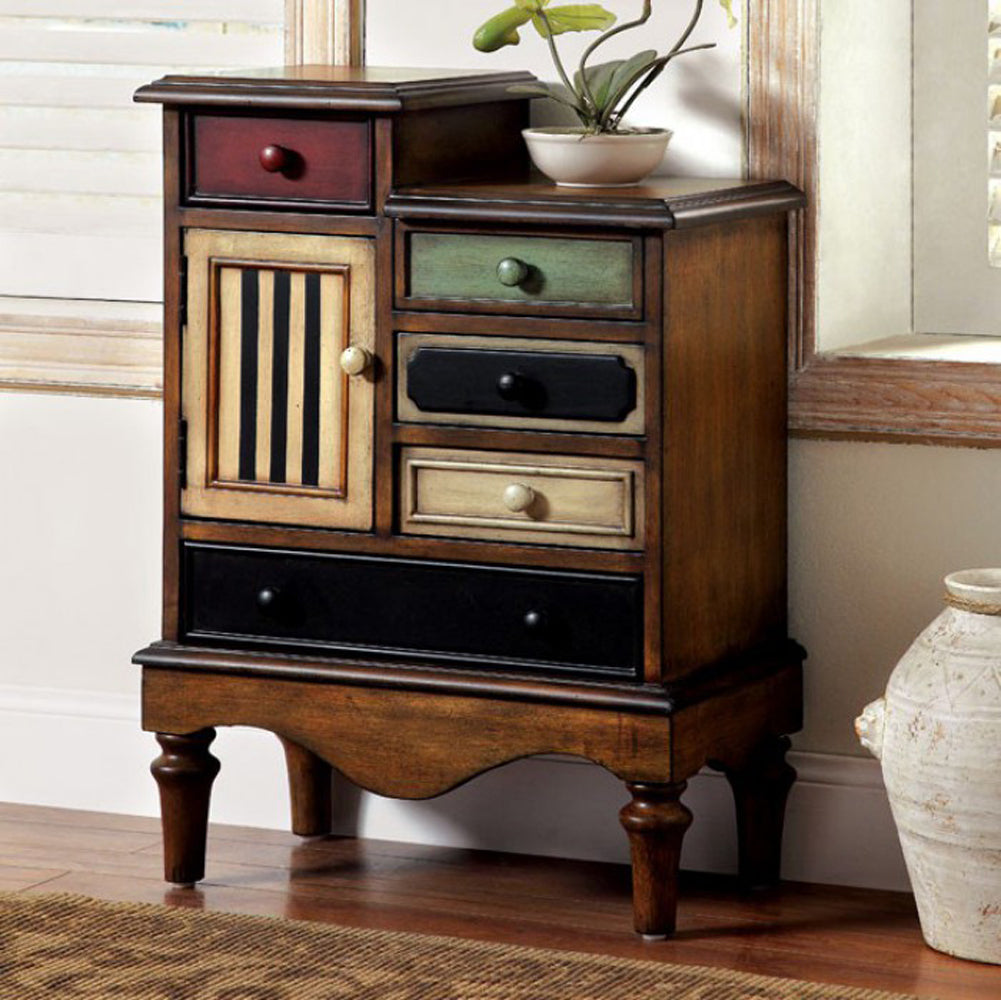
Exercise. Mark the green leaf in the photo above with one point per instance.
(575, 17)
(534, 89)
(599, 79)
(540, 26)
(556, 92)
(727, 5)
(501, 29)
(632, 69)
(628, 74)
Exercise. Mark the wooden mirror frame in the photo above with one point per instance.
(325, 31)
(839, 394)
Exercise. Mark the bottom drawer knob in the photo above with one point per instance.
(535, 621)
(518, 497)
(267, 598)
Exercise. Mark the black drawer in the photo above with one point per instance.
(592, 387)
(587, 624)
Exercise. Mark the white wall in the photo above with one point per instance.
(873, 529)
(698, 96)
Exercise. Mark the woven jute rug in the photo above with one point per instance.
(71, 948)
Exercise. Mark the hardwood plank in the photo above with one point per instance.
(11, 812)
(40, 835)
(16, 877)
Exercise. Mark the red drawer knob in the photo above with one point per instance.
(275, 159)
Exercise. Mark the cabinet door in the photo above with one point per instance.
(277, 431)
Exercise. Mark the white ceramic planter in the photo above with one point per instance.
(574, 160)
(938, 734)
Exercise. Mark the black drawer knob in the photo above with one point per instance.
(267, 598)
(535, 621)
(510, 386)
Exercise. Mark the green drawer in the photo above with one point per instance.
(529, 273)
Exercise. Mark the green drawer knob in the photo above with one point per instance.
(512, 272)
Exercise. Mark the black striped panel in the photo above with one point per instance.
(282, 392)
(249, 296)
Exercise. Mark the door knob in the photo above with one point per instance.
(518, 497)
(355, 360)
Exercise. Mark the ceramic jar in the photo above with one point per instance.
(937, 732)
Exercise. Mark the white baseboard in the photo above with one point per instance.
(85, 750)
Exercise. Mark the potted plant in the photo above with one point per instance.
(602, 150)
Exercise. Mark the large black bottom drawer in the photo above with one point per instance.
(543, 621)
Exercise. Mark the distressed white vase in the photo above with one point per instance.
(937, 732)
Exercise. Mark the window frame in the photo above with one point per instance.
(842, 394)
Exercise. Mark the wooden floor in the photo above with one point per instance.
(847, 936)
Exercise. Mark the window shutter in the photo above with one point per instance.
(79, 162)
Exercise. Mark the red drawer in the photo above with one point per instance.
(281, 162)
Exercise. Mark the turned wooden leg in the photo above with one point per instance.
(184, 772)
(656, 822)
(761, 783)
(309, 780)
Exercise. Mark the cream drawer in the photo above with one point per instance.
(499, 496)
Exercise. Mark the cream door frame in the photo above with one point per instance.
(90, 348)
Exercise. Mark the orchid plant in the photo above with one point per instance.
(600, 95)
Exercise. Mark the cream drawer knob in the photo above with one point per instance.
(354, 360)
(518, 497)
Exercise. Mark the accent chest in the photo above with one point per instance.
(461, 467)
